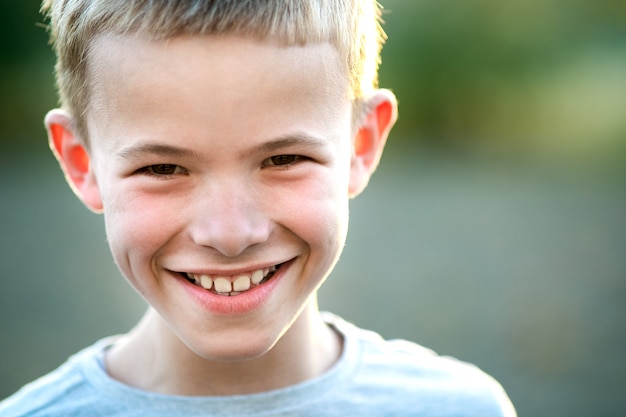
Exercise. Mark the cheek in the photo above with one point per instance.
(136, 228)
(318, 214)
(324, 226)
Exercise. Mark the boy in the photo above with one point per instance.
(222, 141)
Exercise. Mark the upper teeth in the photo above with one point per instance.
(231, 284)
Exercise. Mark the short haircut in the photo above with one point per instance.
(351, 26)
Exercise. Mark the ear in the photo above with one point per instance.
(70, 151)
(370, 138)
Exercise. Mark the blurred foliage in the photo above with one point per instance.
(545, 76)
(513, 77)
(26, 74)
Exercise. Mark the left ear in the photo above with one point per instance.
(370, 138)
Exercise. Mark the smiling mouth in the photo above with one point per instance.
(232, 285)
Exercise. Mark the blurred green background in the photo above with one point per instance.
(494, 231)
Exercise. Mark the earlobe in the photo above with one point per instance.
(69, 150)
(370, 138)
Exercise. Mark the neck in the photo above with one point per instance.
(154, 359)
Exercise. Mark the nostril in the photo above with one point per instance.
(230, 234)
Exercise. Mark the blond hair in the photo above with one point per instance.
(351, 26)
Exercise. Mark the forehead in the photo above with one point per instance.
(135, 81)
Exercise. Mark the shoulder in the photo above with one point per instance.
(417, 378)
(63, 392)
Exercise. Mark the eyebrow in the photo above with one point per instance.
(144, 149)
(300, 140)
(157, 149)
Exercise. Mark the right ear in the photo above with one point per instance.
(70, 151)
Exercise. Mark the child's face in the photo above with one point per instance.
(222, 158)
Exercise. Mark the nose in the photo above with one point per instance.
(229, 218)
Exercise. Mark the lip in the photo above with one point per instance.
(231, 272)
(245, 302)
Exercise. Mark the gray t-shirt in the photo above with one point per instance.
(373, 377)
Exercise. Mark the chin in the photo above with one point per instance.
(232, 349)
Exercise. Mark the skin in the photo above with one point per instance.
(219, 156)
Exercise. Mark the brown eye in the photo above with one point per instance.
(283, 159)
(163, 169)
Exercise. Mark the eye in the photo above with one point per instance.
(282, 160)
(163, 170)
